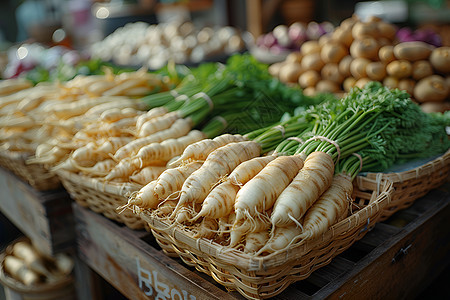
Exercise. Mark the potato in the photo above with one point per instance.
(343, 35)
(440, 59)
(413, 51)
(362, 30)
(309, 78)
(349, 22)
(325, 39)
(430, 107)
(310, 47)
(367, 48)
(399, 68)
(274, 69)
(387, 30)
(382, 41)
(421, 69)
(362, 82)
(431, 89)
(312, 61)
(390, 82)
(407, 85)
(294, 57)
(331, 72)
(348, 83)
(344, 65)
(290, 72)
(327, 86)
(333, 52)
(358, 67)
(376, 70)
(309, 91)
(386, 54)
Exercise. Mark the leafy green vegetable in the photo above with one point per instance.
(374, 126)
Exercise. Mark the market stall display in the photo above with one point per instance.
(257, 175)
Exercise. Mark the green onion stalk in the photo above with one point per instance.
(191, 83)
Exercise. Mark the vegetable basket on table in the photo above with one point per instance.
(102, 197)
(260, 277)
(27, 274)
(35, 175)
(412, 184)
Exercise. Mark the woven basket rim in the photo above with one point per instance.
(425, 169)
(120, 189)
(254, 263)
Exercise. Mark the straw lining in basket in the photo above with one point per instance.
(412, 184)
(266, 276)
(103, 197)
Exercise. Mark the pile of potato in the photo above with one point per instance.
(357, 52)
(25, 264)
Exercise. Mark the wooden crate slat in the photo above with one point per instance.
(336, 268)
(45, 217)
(380, 233)
(134, 267)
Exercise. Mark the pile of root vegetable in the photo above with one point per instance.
(357, 52)
(46, 117)
(259, 201)
(121, 139)
(28, 266)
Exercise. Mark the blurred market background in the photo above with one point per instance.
(139, 32)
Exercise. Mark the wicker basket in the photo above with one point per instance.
(61, 289)
(412, 184)
(35, 175)
(102, 197)
(266, 276)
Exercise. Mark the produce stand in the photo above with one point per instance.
(409, 250)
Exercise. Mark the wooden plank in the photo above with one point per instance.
(404, 264)
(132, 266)
(87, 282)
(335, 269)
(378, 235)
(44, 217)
